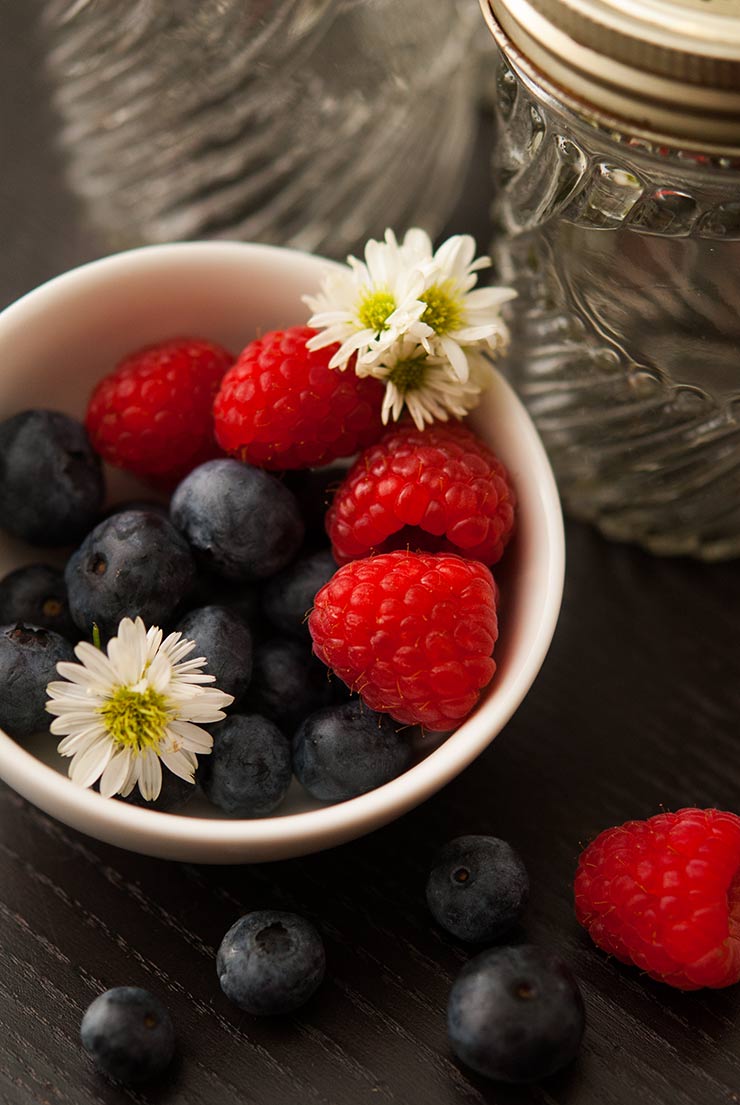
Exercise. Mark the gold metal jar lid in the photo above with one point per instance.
(670, 69)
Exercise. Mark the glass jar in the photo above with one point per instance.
(311, 123)
(618, 216)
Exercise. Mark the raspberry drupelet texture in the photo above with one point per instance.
(152, 414)
(664, 895)
(440, 489)
(413, 633)
(282, 407)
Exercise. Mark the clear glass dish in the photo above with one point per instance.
(626, 332)
(311, 123)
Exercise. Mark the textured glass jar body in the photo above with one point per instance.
(313, 123)
(626, 333)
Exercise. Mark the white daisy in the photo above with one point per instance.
(407, 293)
(460, 316)
(370, 304)
(123, 711)
(424, 384)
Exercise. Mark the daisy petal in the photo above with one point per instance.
(115, 774)
(87, 766)
(180, 764)
(118, 711)
(192, 737)
(150, 775)
(132, 778)
(79, 741)
(73, 723)
(456, 357)
(95, 662)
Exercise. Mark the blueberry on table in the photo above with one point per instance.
(342, 751)
(128, 1034)
(477, 888)
(271, 962)
(37, 594)
(241, 522)
(288, 596)
(223, 637)
(134, 564)
(249, 771)
(51, 481)
(29, 656)
(515, 1014)
(288, 682)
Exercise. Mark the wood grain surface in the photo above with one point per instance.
(636, 709)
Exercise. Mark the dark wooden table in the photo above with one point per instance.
(637, 708)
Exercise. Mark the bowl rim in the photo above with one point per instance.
(159, 833)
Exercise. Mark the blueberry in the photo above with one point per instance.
(51, 481)
(515, 1014)
(222, 636)
(28, 662)
(132, 564)
(137, 504)
(288, 596)
(242, 522)
(314, 488)
(242, 598)
(271, 962)
(288, 683)
(37, 594)
(174, 795)
(128, 1034)
(342, 751)
(477, 888)
(248, 772)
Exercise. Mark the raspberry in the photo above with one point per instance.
(281, 406)
(664, 895)
(412, 632)
(152, 414)
(439, 489)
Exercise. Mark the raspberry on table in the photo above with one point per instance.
(440, 489)
(664, 895)
(413, 633)
(282, 407)
(152, 414)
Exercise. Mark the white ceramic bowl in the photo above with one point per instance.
(58, 340)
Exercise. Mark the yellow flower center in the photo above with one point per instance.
(408, 375)
(136, 719)
(374, 310)
(443, 308)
